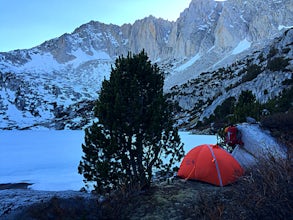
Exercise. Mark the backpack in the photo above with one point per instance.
(233, 136)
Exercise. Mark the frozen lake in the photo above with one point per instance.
(49, 159)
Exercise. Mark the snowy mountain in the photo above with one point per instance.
(54, 84)
(266, 72)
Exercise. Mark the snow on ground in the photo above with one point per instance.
(49, 159)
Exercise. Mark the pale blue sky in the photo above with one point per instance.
(28, 23)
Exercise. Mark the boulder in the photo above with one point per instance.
(258, 144)
(244, 158)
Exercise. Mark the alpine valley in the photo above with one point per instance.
(215, 50)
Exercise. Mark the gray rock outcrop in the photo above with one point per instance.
(258, 144)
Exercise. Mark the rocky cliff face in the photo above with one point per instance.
(224, 32)
(68, 70)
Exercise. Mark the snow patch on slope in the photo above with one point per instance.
(242, 46)
(82, 57)
(188, 63)
(41, 63)
(281, 27)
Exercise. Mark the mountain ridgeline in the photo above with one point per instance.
(215, 50)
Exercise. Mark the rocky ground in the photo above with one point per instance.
(173, 200)
(177, 200)
(19, 203)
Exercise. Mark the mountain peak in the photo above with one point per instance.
(69, 69)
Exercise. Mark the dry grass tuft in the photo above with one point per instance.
(265, 192)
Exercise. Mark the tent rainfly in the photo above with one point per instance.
(211, 164)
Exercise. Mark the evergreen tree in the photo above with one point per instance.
(135, 129)
(226, 108)
(247, 105)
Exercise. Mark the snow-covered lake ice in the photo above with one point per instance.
(49, 159)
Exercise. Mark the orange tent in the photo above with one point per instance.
(211, 164)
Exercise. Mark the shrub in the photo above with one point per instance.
(252, 72)
(246, 106)
(265, 192)
(282, 103)
(278, 64)
(273, 51)
(226, 108)
(278, 121)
